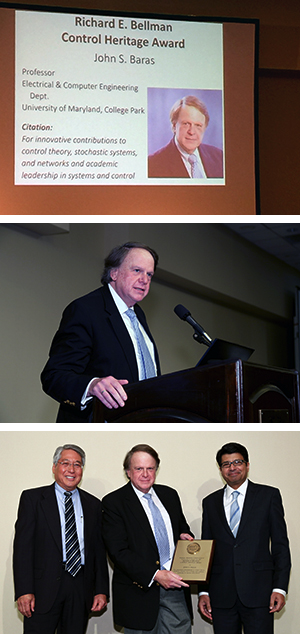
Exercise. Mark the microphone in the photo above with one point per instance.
(200, 334)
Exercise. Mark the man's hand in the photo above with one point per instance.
(204, 606)
(277, 601)
(109, 391)
(186, 536)
(99, 603)
(169, 579)
(26, 604)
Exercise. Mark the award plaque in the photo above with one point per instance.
(192, 560)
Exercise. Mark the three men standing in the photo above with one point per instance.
(59, 558)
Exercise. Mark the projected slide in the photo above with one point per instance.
(118, 100)
(114, 113)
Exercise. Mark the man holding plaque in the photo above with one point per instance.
(251, 565)
(142, 522)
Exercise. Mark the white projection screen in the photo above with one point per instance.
(86, 107)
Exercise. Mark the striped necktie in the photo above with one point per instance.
(235, 513)
(196, 169)
(73, 555)
(161, 535)
(148, 368)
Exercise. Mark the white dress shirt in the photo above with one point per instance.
(166, 518)
(227, 499)
(60, 496)
(122, 307)
(185, 157)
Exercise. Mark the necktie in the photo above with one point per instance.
(160, 531)
(73, 556)
(235, 513)
(196, 169)
(148, 368)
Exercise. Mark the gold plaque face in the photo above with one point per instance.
(192, 560)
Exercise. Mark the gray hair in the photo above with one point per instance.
(59, 450)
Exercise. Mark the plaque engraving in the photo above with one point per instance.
(192, 560)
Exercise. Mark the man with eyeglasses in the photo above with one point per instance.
(251, 565)
(59, 560)
(142, 522)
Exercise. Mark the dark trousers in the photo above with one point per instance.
(252, 620)
(68, 613)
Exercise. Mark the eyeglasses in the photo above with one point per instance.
(66, 464)
(236, 463)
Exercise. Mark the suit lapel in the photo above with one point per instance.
(50, 509)
(139, 513)
(120, 332)
(87, 520)
(165, 500)
(221, 512)
(141, 317)
(248, 506)
(179, 170)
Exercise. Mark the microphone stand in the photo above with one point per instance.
(200, 338)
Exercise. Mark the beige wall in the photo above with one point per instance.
(235, 290)
(187, 464)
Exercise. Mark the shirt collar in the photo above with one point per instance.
(121, 305)
(242, 489)
(62, 491)
(139, 493)
(186, 155)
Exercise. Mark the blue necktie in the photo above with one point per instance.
(160, 531)
(196, 169)
(73, 555)
(235, 513)
(148, 368)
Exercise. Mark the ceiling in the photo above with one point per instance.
(280, 240)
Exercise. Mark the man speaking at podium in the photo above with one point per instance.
(103, 341)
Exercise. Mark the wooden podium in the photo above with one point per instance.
(228, 392)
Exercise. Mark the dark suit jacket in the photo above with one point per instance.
(92, 340)
(245, 565)
(132, 548)
(37, 553)
(167, 162)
